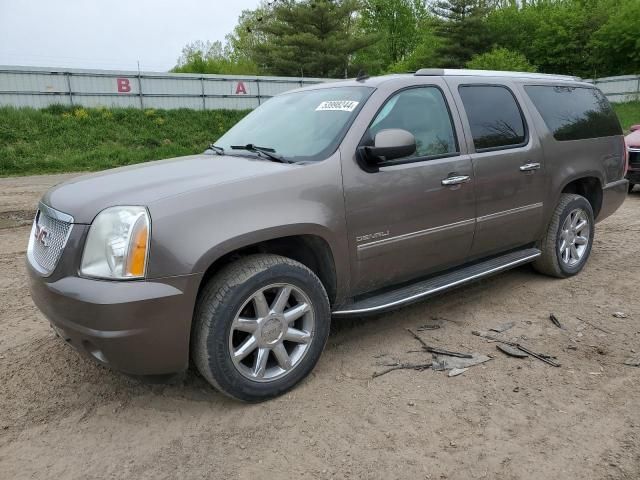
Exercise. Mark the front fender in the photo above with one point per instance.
(190, 232)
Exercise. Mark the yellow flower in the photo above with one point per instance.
(80, 113)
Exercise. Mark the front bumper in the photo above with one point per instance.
(137, 327)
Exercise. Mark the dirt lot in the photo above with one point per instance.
(61, 416)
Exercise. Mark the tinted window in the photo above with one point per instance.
(572, 113)
(494, 116)
(422, 111)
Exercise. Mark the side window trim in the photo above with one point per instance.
(522, 117)
(424, 158)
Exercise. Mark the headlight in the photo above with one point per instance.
(117, 244)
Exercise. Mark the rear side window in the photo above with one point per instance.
(574, 113)
(494, 116)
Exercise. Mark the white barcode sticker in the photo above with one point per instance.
(337, 105)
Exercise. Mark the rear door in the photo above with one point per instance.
(403, 221)
(508, 165)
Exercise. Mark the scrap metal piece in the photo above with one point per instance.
(555, 321)
(447, 363)
(633, 362)
(436, 350)
(503, 327)
(511, 351)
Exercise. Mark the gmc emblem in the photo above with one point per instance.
(42, 235)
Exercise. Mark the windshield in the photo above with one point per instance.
(300, 126)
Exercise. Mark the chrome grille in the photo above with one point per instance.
(634, 158)
(48, 238)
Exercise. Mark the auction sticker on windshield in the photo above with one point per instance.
(338, 105)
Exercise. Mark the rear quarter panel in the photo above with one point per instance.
(602, 158)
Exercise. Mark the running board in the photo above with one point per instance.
(426, 288)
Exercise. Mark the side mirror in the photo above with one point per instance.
(634, 128)
(390, 144)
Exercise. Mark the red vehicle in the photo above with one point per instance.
(633, 145)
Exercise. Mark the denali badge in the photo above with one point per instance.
(372, 236)
(42, 235)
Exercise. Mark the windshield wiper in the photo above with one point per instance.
(215, 148)
(268, 152)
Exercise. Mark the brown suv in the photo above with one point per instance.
(339, 199)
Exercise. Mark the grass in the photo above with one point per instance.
(628, 113)
(61, 139)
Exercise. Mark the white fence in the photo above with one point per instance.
(625, 88)
(39, 87)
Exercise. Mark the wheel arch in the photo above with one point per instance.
(588, 186)
(311, 248)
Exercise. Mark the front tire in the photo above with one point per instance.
(631, 185)
(260, 326)
(567, 243)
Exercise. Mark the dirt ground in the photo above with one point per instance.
(62, 416)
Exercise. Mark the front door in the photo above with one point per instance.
(416, 215)
(508, 165)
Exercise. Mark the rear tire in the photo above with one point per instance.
(260, 326)
(567, 243)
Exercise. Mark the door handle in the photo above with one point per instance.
(458, 179)
(527, 167)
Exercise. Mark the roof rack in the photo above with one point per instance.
(489, 73)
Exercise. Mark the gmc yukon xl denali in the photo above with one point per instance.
(339, 199)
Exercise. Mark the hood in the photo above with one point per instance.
(141, 184)
(633, 139)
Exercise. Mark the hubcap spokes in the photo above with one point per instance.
(271, 332)
(574, 237)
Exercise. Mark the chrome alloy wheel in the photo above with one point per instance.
(271, 332)
(574, 237)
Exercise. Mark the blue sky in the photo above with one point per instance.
(110, 34)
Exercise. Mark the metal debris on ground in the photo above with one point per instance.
(633, 362)
(404, 366)
(448, 363)
(542, 357)
(555, 321)
(441, 351)
(619, 314)
(595, 326)
(511, 351)
(454, 372)
(428, 327)
(503, 327)
(436, 350)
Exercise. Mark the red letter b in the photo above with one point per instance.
(123, 85)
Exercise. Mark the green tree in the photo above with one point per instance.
(212, 57)
(462, 28)
(397, 26)
(616, 44)
(314, 38)
(501, 59)
(247, 33)
(559, 36)
(426, 53)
